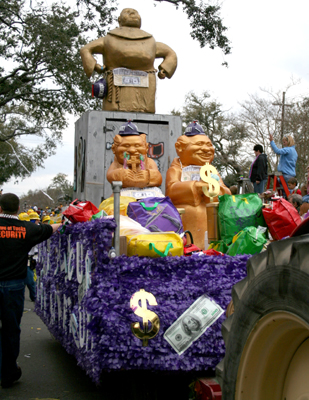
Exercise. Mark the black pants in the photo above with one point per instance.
(12, 295)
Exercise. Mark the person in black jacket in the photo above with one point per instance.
(258, 171)
(16, 240)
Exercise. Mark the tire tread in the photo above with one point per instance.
(289, 253)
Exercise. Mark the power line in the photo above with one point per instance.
(283, 105)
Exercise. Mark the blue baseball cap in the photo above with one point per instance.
(129, 129)
(194, 129)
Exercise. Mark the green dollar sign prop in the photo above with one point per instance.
(213, 185)
(142, 311)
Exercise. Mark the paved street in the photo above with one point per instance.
(50, 373)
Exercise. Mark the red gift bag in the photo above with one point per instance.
(282, 218)
(188, 249)
(212, 252)
(80, 211)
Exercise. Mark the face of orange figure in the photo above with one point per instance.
(132, 145)
(284, 143)
(199, 151)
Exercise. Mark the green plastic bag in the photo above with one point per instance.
(100, 214)
(237, 212)
(219, 245)
(248, 241)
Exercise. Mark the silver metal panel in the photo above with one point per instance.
(112, 128)
(95, 140)
(81, 126)
(158, 142)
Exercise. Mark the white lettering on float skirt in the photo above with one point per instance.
(64, 315)
(44, 305)
(52, 308)
(66, 306)
(42, 295)
(88, 270)
(58, 300)
(57, 251)
(83, 332)
(70, 264)
(47, 262)
(64, 266)
(69, 244)
(79, 261)
(82, 327)
(74, 329)
(89, 340)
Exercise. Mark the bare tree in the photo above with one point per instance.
(261, 117)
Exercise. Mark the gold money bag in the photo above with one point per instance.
(148, 316)
(213, 185)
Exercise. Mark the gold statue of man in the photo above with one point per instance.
(128, 64)
(185, 189)
(131, 165)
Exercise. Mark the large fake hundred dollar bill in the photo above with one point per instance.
(192, 323)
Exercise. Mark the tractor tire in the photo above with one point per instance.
(267, 337)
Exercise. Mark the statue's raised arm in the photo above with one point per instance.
(128, 64)
(89, 62)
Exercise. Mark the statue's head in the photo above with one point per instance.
(132, 145)
(194, 147)
(194, 150)
(130, 17)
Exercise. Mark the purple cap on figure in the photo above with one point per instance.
(194, 129)
(99, 89)
(129, 129)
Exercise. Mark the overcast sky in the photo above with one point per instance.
(269, 42)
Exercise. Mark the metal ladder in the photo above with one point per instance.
(279, 185)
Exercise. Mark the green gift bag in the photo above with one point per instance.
(248, 241)
(237, 212)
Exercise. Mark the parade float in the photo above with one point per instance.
(123, 298)
(151, 307)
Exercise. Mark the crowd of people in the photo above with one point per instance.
(46, 216)
(298, 197)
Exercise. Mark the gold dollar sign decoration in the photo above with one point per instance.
(213, 185)
(147, 315)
